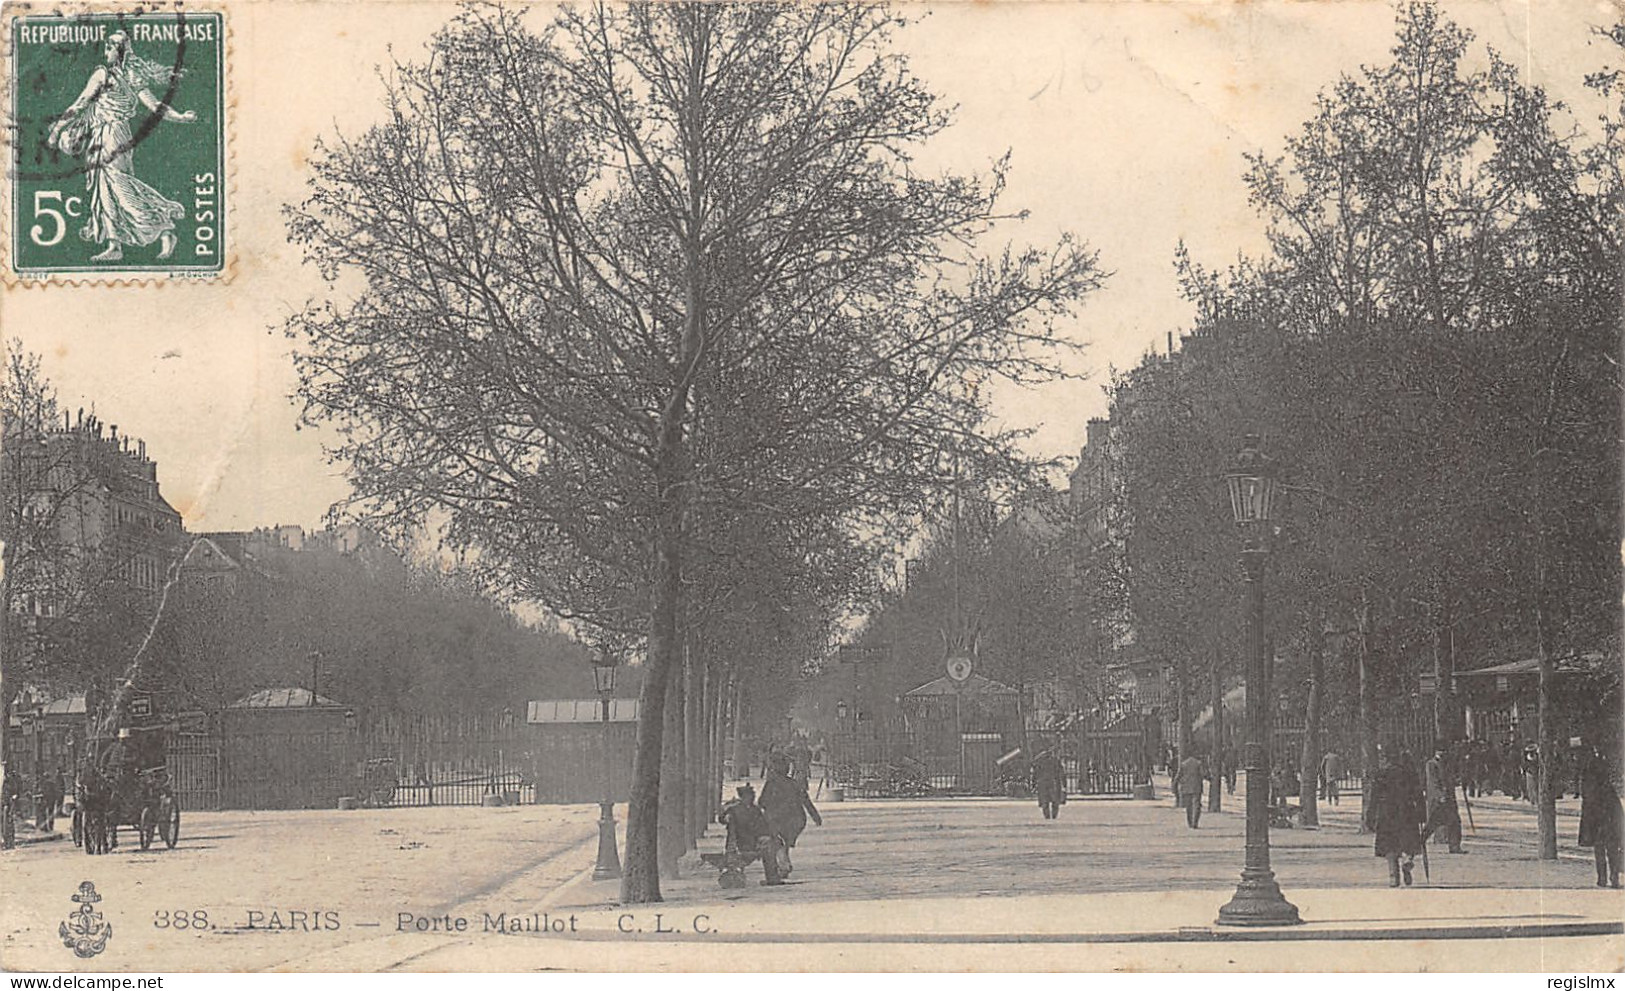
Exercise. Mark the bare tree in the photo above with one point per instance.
(559, 234)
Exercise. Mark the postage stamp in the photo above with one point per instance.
(118, 144)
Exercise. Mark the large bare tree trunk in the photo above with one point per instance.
(694, 767)
(741, 745)
(711, 798)
(640, 876)
(1182, 709)
(1546, 799)
(1447, 726)
(1368, 707)
(1309, 760)
(671, 839)
(1216, 756)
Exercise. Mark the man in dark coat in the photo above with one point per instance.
(749, 836)
(1188, 786)
(1439, 787)
(785, 801)
(1396, 815)
(1048, 780)
(1331, 776)
(1602, 827)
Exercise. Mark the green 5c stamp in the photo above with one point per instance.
(118, 151)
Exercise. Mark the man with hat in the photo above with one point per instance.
(1396, 814)
(749, 836)
(785, 802)
(1048, 780)
(1438, 785)
(1188, 786)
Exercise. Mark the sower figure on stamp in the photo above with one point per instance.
(1443, 815)
(123, 209)
(1396, 815)
(1048, 781)
(785, 801)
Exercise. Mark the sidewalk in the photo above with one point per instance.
(1111, 885)
(990, 874)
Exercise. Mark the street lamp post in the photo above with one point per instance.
(608, 866)
(1258, 900)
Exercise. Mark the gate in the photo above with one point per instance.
(194, 770)
(1101, 757)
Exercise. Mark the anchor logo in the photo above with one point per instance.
(85, 932)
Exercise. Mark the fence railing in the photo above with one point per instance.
(1096, 759)
(402, 762)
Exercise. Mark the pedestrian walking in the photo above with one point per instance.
(1602, 826)
(1396, 814)
(1048, 780)
(1439, 787)
(800, 758)
(785, 801)
(1531, 773)
(1188, 786)
(1228, 767)
(1331, 776)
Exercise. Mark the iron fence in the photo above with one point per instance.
(1097, 758)
(399, 762)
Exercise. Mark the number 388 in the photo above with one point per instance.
(180, 919)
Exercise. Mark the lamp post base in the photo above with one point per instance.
(1258, 902)
(608, 867)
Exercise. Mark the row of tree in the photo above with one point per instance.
(384, 633)
(1430, 350)
(646, 307)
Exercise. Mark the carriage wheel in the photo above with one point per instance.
(146, 827)
(78, 826)
(172, 830)
(383, 793)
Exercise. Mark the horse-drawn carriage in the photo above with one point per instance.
(124, 781)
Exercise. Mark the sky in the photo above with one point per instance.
(1127, 123)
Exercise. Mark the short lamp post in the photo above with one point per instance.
(1253, 487)
(609, 859)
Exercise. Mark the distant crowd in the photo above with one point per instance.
(1410, 804)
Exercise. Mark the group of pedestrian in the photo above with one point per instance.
(1514, 770)
(768, 827)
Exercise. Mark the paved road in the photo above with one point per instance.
(888, 885)
(273, 885)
